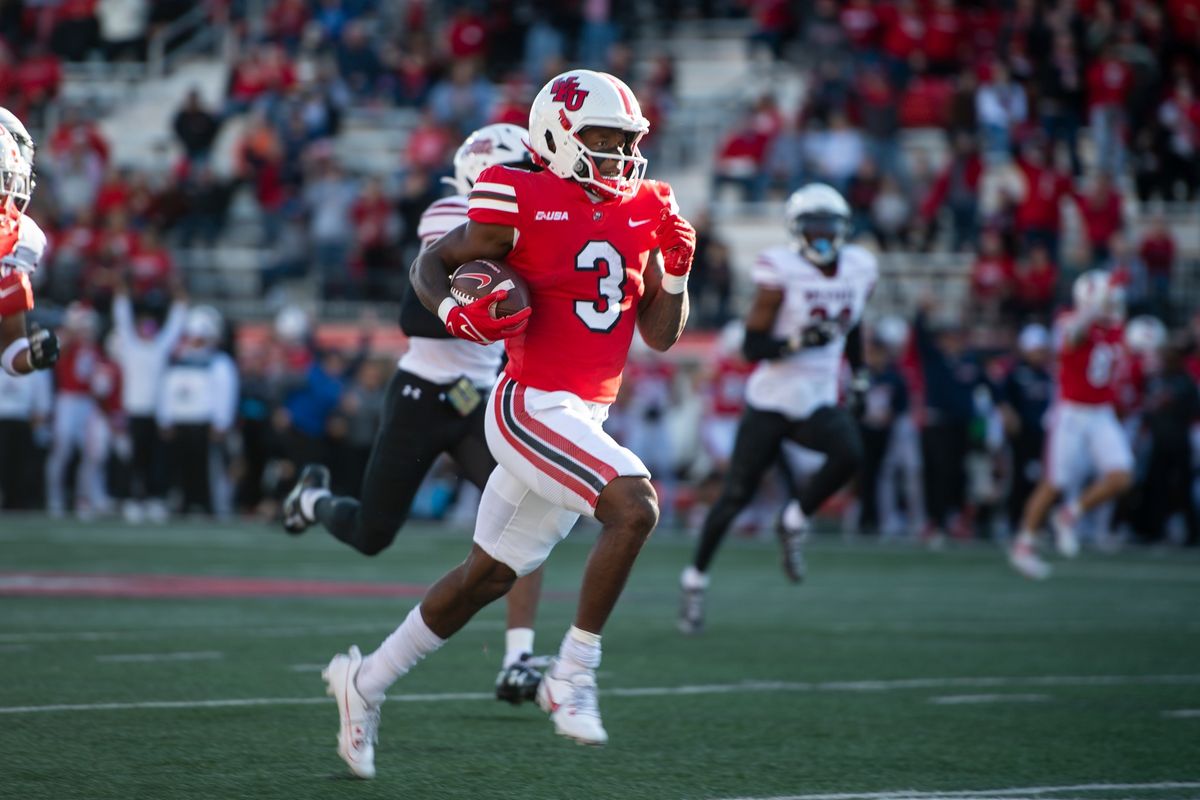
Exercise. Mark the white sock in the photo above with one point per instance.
(517, 642)
(693, 578)
(1073, 510)
(793, 516)
(399, 653)
(308, 502)
(580, 651)
(1026, 539)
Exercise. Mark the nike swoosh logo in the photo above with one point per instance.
(6, 292)
(633, 223)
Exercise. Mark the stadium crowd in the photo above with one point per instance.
(158, 422)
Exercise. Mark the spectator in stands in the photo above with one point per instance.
(75, 32)
(466, 35)
(353, 425)
(833, 155)
(205, 199)
(1061, 97)
(36, 78)
(1103, 216)
(1179, 116)
(375, 235)
(358, 61)
(1038, 218)
(824, 37)
(1124, 263)
(957, 187)
(711, 283)
(75, 130)
(944, 30)
(286, 21)
(891, 214)
(860, 21)
(197, 128)
(122, 26)
(1034, 280)
(877, 105)
(412, 72)
(774, 26)
(259, 161)
(1001, 106)
(463, 100)
(430, 144)
(741, 161)
(991, 278)
(1172, 407)
(151, 267)
(313, 397)
(328, 199)
(1109, 81)
(331, 16)
(25, 404)
(1157, 250)
(903, 37)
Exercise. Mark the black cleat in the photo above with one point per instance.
(518, 681)
(313, 476)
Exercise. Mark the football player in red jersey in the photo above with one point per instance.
(602, 250)
(21, 246)
(1084, 436)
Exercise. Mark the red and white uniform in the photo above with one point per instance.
(583, 261)
(89, 391)
(1085, 438)
(16, 267)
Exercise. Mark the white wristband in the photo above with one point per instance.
(674, 284)
(10, 355)
(446, 306)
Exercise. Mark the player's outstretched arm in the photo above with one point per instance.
(21, 355)
(661, 315)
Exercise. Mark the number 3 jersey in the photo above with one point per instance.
(798, 384)
(584, 262)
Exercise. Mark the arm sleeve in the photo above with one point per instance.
(122, 310)
(173, 327)
(493, 199)
(854, 348)
(760, 345)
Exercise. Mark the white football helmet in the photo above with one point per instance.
(819, 219)
(490, 145)
(81, 320)
(16, 174)
(578, 99)
(17, 129)
(1145, 335)
(1095, 294)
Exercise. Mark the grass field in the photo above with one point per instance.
(893, 673)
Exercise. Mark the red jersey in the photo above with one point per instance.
(1087, 369)
(77, 367)
(584, 263)
(728, 388)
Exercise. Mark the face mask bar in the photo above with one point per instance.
(631, 168)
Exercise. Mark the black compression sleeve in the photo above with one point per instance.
(760, 345)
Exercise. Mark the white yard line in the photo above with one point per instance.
(131, 658)
(977, 699)
(279, 632)
(1025, 791)
(744, 687)
(1183, 713)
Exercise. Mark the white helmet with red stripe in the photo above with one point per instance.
(16, 174)
(490, 145)
(1097, 294)
(578, 99)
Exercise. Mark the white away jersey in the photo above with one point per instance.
(799, 384)
(447, 360)
(30, 247)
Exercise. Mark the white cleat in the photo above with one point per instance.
(1027, 562)
(572, 705)
(360, 720)
(1066, 540)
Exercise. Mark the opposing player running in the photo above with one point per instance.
(1085, 438)
(809, 299)
(434, 404)
(590, 238)
(23, 243)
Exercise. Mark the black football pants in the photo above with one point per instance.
(829, 430)
(417, 426)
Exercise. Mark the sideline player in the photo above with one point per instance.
(1085, 436)
(434, 404)
(592, 239)
(810, 297)
(23, 243)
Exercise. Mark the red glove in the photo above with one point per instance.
(475, 322)
(677, 242)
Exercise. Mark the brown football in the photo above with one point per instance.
(479, 278)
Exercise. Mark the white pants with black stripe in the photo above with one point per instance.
(553, 460)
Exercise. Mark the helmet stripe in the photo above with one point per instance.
(620, 91)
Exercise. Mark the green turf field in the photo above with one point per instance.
(893, 673)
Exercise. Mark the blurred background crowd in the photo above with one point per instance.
(231, 190)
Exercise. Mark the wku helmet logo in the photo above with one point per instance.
(567, 92)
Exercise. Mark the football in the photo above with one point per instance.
(479, 278)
